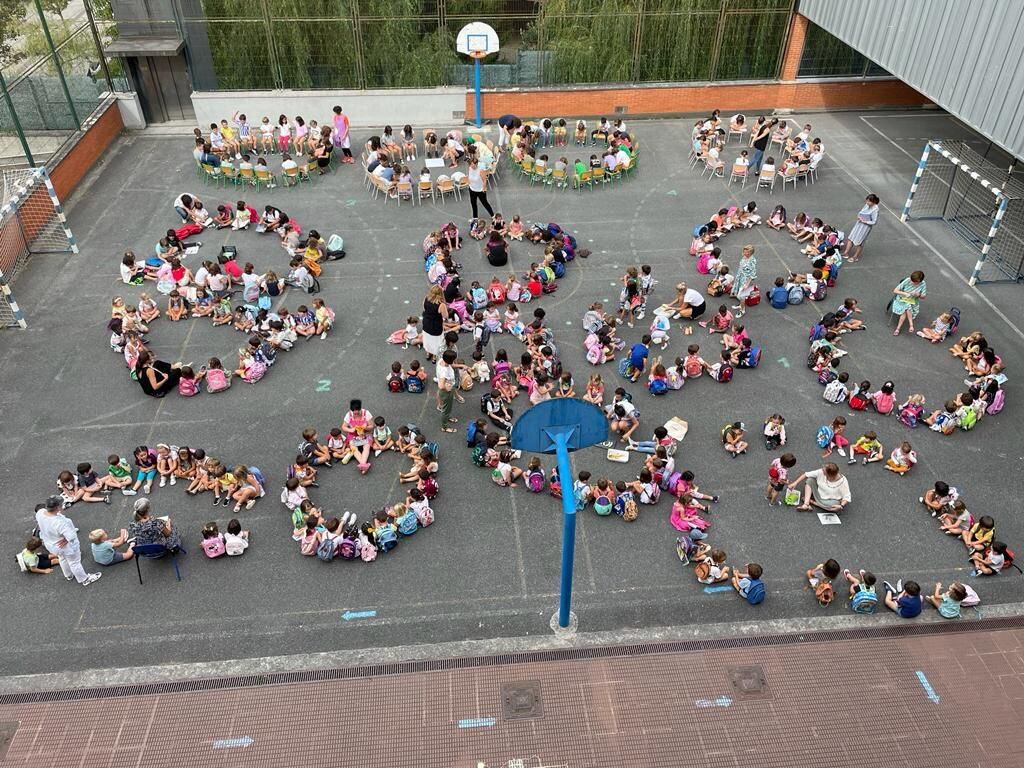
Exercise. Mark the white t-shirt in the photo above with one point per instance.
(830, 490)
(446, 372)
(127, 272)
(178, 202)
(201, 276)
(693, 298)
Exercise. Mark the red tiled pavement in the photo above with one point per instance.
(842, 703)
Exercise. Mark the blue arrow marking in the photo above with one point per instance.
(244, 741)
(477, 722)
(349, 615)
(721, 701)
(672, 192)
(929, 691)
(723, 588)
(784, 361)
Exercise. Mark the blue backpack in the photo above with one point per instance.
(258, 474)
(657, 386)
(408, 523)
(779, 297)
(864, 601)
(479, 296)
(625, 369)
(558, 268)
(414, 384)
(386, 537)
(756, 592)
(818, 331)
(824, 437)
(796, 295)
(327, 549)
(470, 434)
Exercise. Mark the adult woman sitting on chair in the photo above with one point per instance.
(152, 530)
(156, 377)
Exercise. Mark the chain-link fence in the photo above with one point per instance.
(52, 75)
(366, 44)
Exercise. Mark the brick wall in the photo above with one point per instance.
(70, 169)
(794, 47)
(697, 99)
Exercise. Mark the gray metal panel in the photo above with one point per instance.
(965, 55)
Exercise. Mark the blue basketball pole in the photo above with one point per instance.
(476, 84)
(568, 527)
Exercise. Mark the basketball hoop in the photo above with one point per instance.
(477, 40)
(477, 53)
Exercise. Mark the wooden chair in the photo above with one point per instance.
(788, 176)
(741, 132)
(426, 189)
(779, 136)
(445, 186)
(739, 171)
(405, 188)
(426, 153)
(713, 168)
(462, 185)
(766, 179)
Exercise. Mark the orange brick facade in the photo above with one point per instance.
(90, 147)
(787, 93)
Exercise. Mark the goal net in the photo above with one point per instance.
(981, 203)
(31, 222)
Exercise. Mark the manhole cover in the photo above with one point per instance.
(7, 731)
(521, 700)
(748, 681)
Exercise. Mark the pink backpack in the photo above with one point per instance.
(997, 403)
(884, 403)
(216, 380)
(187, 387)
(367, 549)
(702, 263)
(425, 515)
(308, 543)
(214, 546)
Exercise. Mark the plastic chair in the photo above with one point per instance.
(713, 168)
(246, 176)
(291, 177)
(212, 174)
(779, 135)
(558, 177)
(229, 175)
(788, 176)
(265, 178)
(155, 552)
(741, 131)
(584, 178)
(598, 176)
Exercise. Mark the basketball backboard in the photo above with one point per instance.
(477, 39)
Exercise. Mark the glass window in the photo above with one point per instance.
(825, 55)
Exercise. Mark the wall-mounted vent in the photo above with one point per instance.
(621, 110)
(460, 115)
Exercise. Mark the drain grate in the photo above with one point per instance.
(748, 681)
(7, 731)
(522, 700)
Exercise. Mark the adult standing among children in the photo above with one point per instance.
(866, 219)
(446, 390)
(759, 141)
(507, 125)
(60, 537)
(825, 488)
(341, 136)
(478, 189)
(906, 302)
(435, 312)
(746, 274)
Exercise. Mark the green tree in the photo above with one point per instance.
(11, 14)
(55, 6)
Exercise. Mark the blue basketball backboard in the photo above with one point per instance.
(583, 423)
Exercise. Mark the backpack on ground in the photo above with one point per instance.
(214, 546)
(954, 322)
(386, 537)
(864, 601)
(858, 401)
(327, 548)
(657, 386)
(430, 488)
(824, 593)
(724, 375)
(414, 384)
(308, 543)
(998, 399)
(795, 295)
(685, 548)
(820, 291)
(408, 523)
(347, 548)
(818, 331)
(703, 570)
(630, 510)
(824, 436)
(969, 420)
(367, 549)
(535, 481)
(478, 454)
(395, 383)
(425, 515)
(626, 370)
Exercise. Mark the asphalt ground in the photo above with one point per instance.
(489, 566)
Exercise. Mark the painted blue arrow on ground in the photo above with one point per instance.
(349, 615)
(723, 588)
(243, 741)
(477, 722)
(929, 691)
(721, 701)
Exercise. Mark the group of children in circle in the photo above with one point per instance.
(208, 293)
(359, 437)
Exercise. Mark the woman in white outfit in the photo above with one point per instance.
(60, 536)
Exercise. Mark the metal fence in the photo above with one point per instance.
(52, 77)
(365, 44)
